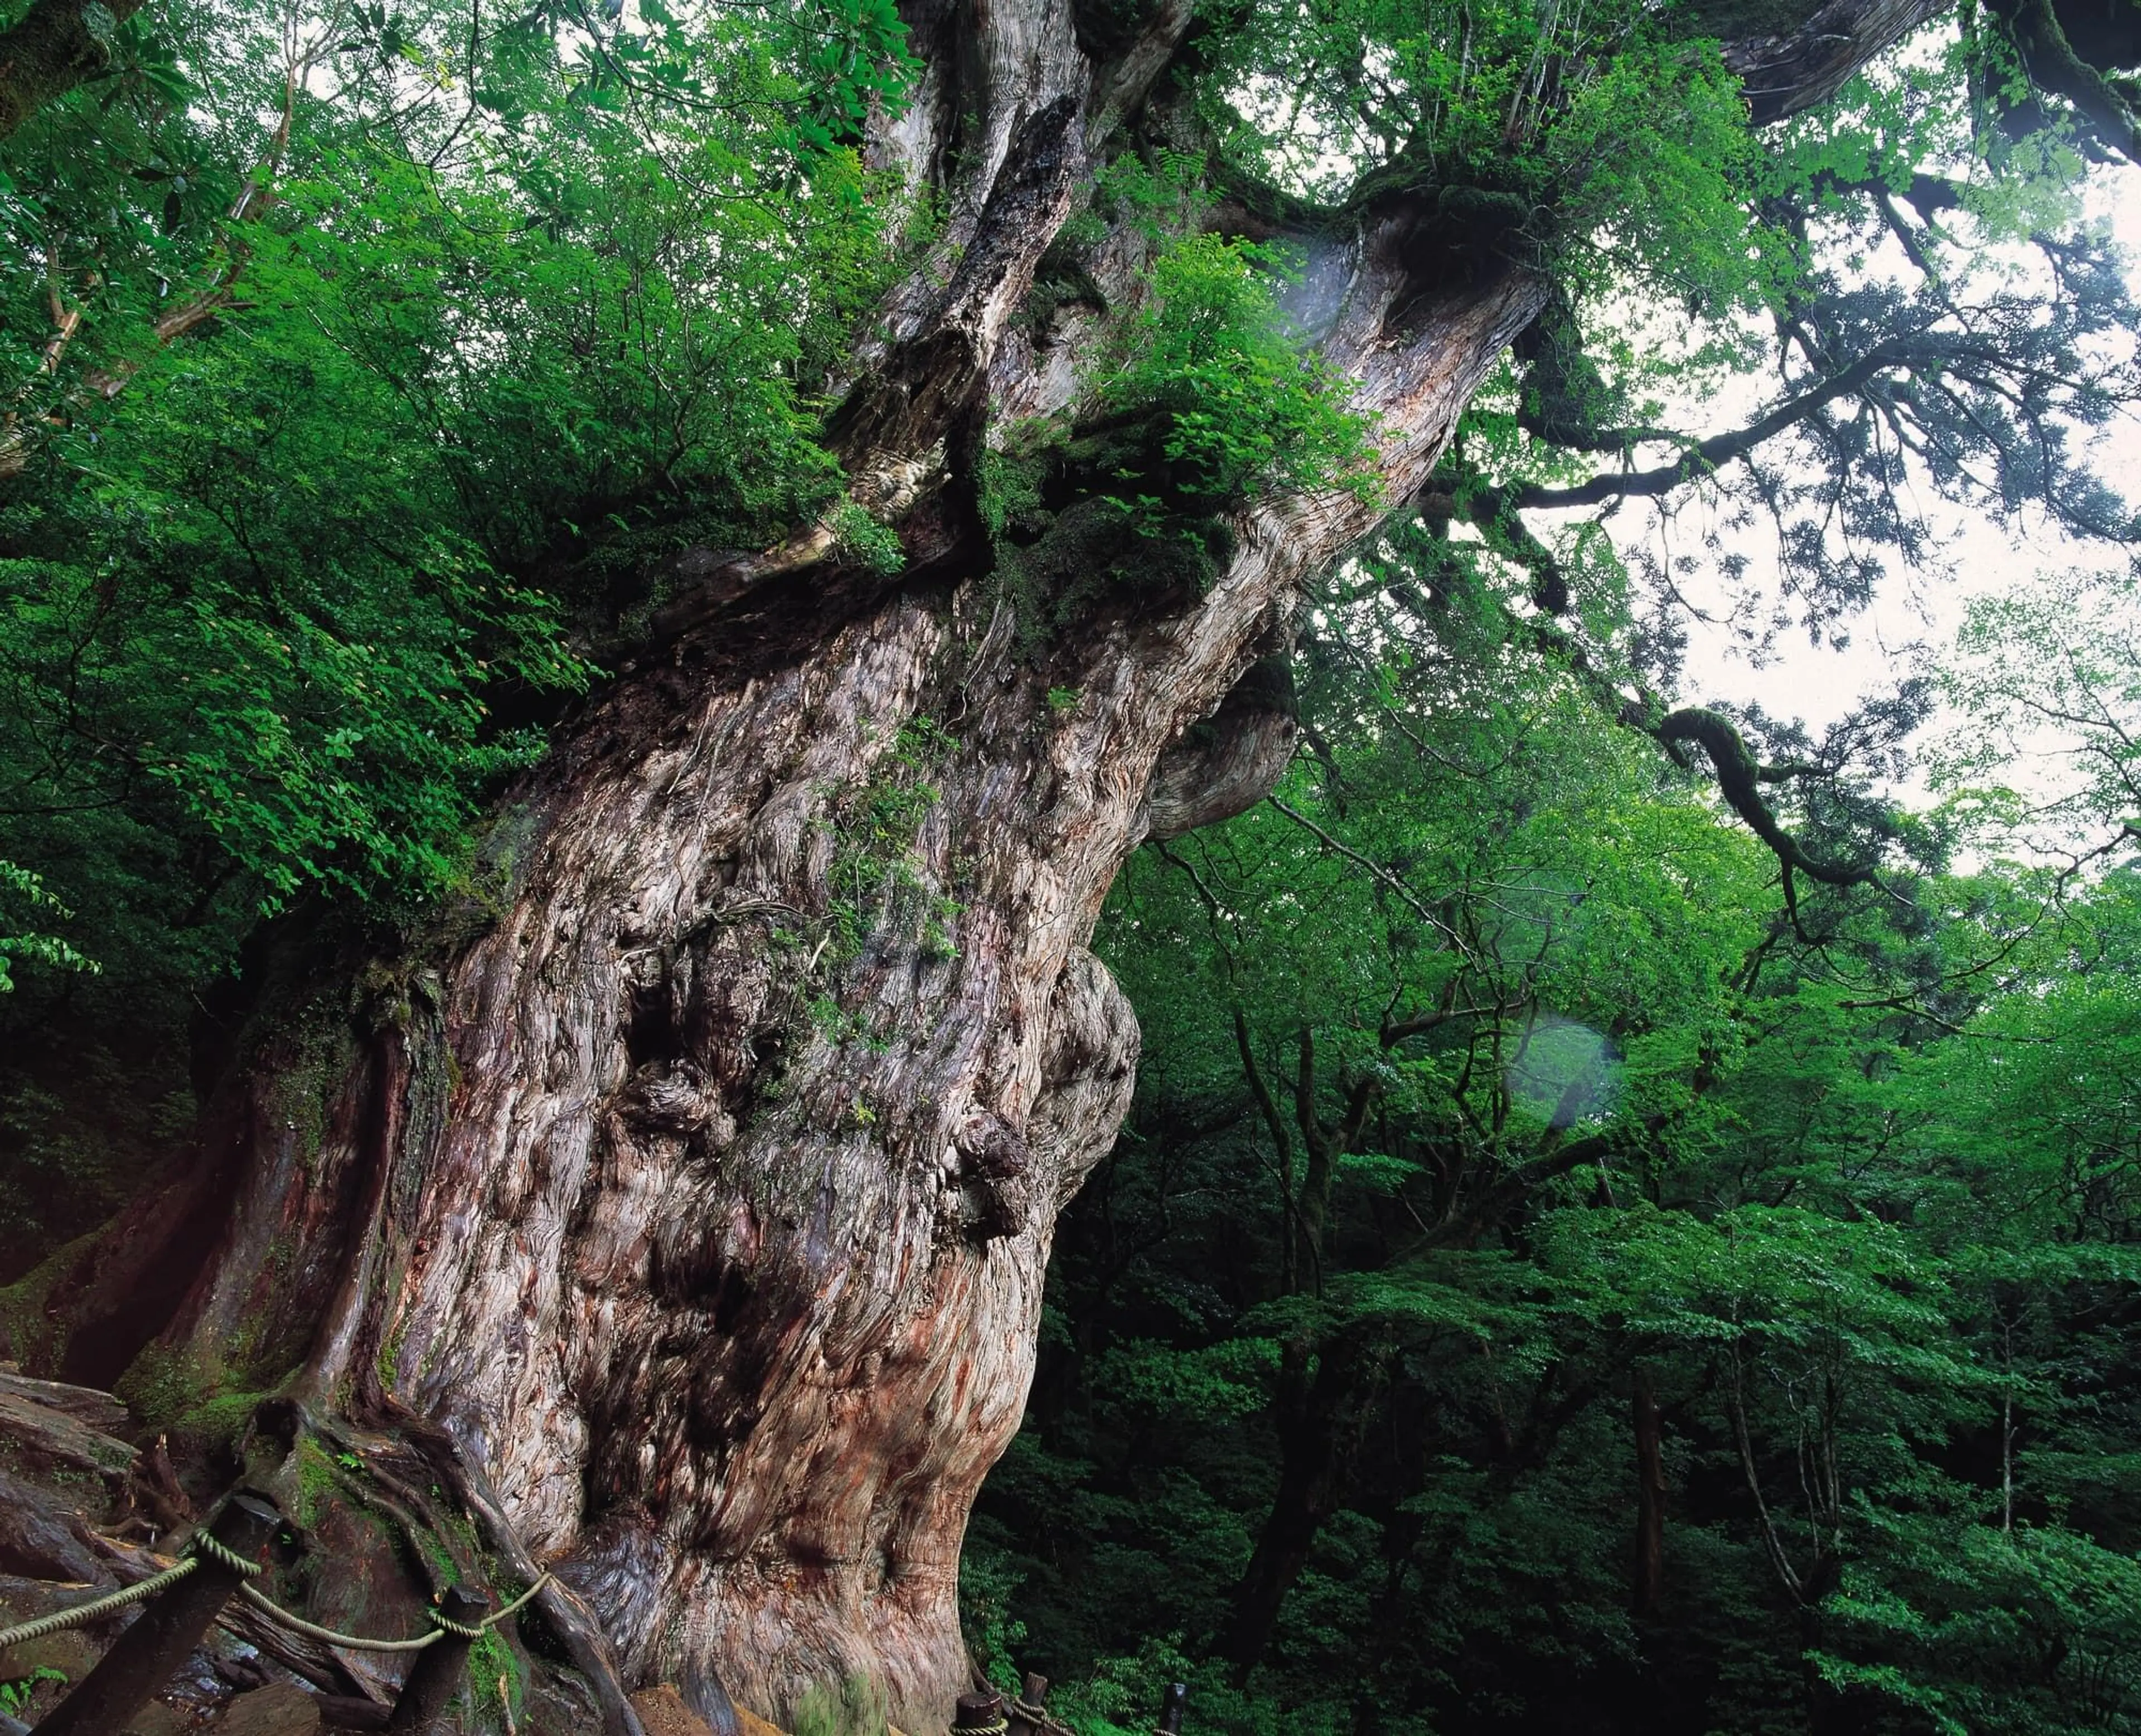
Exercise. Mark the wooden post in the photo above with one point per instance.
(150, 1653)
(1170, 1708)
(440, 1666)
(1033, 1696)
(980, 1714)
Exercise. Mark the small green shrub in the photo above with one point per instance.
(861, 537)
(1243, 408)
(15, 1695)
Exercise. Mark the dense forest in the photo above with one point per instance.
(884, 824)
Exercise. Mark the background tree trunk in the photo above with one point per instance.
(1647, 1581)
(703, 1197)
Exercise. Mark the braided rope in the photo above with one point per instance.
(202, 1547)
(61, 1620)
(206, 1547)
(216, 1549)
(1038, 1716)
(541, 1581)
(997, 1729)
(327, 1635)
(355, 1642)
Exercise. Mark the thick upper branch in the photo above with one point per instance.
(1787, 70)
(49, 50)
(1739, 779)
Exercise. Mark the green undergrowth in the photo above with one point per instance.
(873, 881)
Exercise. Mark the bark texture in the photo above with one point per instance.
(700, 1199)
(52, 47)
(1810, 55)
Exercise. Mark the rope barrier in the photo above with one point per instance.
(1038, 1716)
(494, 1619)
(203, 1544)
(61, 1620)
(213, 1547)
(328, 1636)
(354, 1642)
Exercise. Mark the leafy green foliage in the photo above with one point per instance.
(364, 378)
(1586, 134)
(1243, 407)
(26, 893)
(2047, 676)
(1207, 402)
(1486, 1092)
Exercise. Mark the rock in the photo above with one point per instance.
(158, 1719)
(663, 1712)
(41, 1536)
(84, 1404)
(72, 1652)
(281, 1709)
(52, 1436)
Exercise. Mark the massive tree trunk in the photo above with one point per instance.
(699, 1200)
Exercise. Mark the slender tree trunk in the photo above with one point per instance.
(1650, 1565)
(1317, 1410)
(695, 1201)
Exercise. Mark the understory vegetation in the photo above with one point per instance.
(1544, 1286)
(1631, 1214)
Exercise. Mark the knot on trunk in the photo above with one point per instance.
(994, 1175)
(1228, 764)
(677, 1097)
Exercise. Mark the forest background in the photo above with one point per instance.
(1625, 1221)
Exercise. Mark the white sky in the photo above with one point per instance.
(1913, 616)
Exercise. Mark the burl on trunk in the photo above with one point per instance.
(697, 1206)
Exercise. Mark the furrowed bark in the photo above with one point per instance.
(1811, 58)
(52, 47)
(699, 1204)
